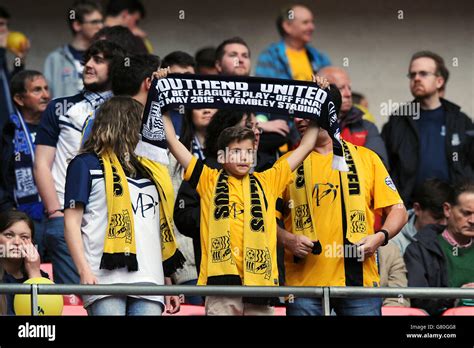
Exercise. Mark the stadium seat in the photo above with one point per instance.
(74, 310)
(464, 310)
(72, 300)
(402, 311)
(280, 311)
(190, 310)
(48, 268)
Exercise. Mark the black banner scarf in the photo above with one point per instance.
(253, 94)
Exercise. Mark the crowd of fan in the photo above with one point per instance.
(46, 118)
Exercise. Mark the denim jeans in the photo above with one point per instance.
(64, 270)
(124, 305)
(193, 300)
(342, 306)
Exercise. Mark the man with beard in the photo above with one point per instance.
(58, 141)
(431, 138)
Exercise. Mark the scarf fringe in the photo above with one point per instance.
(119, 260)
(174, 263)
(262, 301)
(227, 279)
(152, 152)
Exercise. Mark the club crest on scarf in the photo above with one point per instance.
(165, 233)
(154, 129)
(220, 249)
(120, 226)
(302, 217)
(358, 221)
(258, 261)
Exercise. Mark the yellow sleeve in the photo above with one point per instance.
(385, 193)
(277, 177)
(198, 175)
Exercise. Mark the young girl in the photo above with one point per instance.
(118, 217)
(19, 258)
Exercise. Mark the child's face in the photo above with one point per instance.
(12, 238)
(239, 157)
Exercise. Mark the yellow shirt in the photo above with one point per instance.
(204, 179)
(300, 65)
(331, 267)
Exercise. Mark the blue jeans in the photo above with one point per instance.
(64, 270)
(342, 306)
(124, 305)
(193, 300)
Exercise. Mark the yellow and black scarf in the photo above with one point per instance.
(259, 267)
(303, 190)
(119, 247)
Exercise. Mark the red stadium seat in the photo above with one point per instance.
(74, 310)
(48, 268)
(189, 310)
(72, 300)
(402, 311)
(464, 310)
(279, 311)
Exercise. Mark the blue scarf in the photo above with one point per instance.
(25, 192)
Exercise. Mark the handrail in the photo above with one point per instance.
(245, 291)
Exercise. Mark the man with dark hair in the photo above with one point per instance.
(132, 75)
(123, 37)
(30, 95)
(63, 67)
(59, 140)
(429, 137)
(6, 105)
(292, 57)
(179, 62)
(427, 209)
(206, 61)
(127, 13)
(233, 57)
(443, 255)
(129, 76)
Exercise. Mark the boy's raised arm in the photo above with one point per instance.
(179, 151)
(308, 142)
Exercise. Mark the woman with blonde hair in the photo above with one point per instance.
(118, 214)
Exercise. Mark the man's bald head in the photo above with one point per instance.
(340, 78)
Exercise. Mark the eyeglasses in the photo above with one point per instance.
(94, 22)
(422, 74)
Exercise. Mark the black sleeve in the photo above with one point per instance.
(187, 211)
(417, 269)
(469, 146)
(7, 176)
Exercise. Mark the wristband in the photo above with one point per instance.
(387, 237)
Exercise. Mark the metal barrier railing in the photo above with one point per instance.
(245, 291)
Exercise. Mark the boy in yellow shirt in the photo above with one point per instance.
(238, 218)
